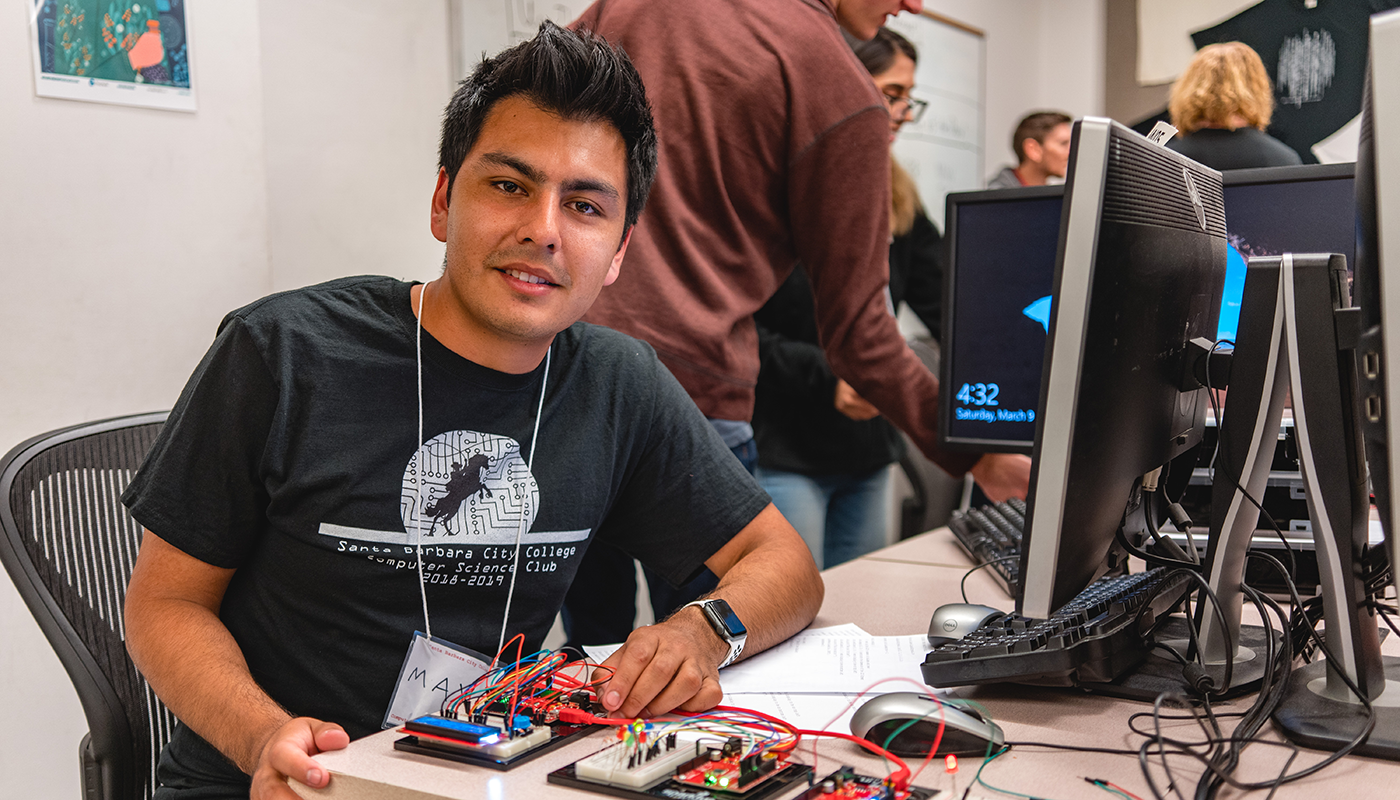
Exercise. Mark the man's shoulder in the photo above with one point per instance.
(340, 298)
(1006, 179)
(604, 348)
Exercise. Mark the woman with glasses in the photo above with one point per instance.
(824, 454)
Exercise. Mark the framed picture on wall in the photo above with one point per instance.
(127, 52)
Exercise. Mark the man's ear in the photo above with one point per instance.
(616, 267)
(1035, 151)
(440, 198)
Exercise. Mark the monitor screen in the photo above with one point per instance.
(1277, 210)
(1001, 265)
(1001, 248)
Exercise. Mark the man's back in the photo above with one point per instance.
(772, 150)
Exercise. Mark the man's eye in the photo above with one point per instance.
(586, 207)
(509, 187)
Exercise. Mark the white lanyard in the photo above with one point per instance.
(418, 479)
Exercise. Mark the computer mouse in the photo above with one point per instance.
(965, 732)
(956, 620)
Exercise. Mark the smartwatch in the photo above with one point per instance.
(726, 624)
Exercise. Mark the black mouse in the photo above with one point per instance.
(965, 732)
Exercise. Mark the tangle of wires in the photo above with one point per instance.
(1287, 634)
(539, 686)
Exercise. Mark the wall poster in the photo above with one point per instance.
(128, 52)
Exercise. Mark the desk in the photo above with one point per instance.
(893, 591)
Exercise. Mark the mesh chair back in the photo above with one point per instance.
(69, 545)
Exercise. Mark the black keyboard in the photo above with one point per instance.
(1096, 637)
(992, 535)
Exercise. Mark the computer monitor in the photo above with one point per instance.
(1140, 272)
(1276, 210)
(1318, 708)
(1001, 256)
(1000, 269)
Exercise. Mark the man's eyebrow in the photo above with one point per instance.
(511, 162)
(586, 185)
(532, 174)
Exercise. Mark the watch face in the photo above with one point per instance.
(725, 616)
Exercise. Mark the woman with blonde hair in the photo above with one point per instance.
(824, 453)
(1222, 104)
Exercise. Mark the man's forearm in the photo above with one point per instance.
(197, 670)
(774, 587)
(180, 645)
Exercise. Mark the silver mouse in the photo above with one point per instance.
(953, 621)
(912, 720)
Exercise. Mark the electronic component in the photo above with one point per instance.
(847, 784)
(640, 764)
(693, 763)
(510, 715)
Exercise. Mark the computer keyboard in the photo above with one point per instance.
(1095, 638)
(992, 535)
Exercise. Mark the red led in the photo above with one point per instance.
(951, 764)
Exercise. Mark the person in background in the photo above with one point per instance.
(770, 135)
(1041, 142)
(824, 453)
(1221, 105)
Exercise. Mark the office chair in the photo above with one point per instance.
(69, 546)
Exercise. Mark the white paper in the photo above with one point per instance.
(600, 652)
(828, 664)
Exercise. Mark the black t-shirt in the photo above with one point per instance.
(1316, 58)
(1243, 148)
(291, 458)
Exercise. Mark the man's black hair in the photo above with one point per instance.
(574, 74)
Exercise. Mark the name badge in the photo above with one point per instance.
(434, 670)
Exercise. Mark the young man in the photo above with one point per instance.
(1041, 142)
(358, 460)
(774, 151)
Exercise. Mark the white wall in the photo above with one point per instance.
(352, 116)
(1040, 55)
(127, 233)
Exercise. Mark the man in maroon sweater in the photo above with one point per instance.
(774, 151)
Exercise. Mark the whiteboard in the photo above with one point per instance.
(943, 150)
(486, 27)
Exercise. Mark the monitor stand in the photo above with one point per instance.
(1317, 709)
(1287, 341)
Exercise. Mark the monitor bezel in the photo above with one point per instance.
(954, 203)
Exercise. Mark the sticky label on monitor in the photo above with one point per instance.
(1161, 133)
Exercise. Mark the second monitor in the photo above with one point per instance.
(1001, 269)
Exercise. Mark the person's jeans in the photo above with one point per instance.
(601, 604)
(841, 517)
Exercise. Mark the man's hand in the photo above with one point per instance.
(1003, 476)
(287, 753)
(766, 575)
(662, 667)
(852, 404)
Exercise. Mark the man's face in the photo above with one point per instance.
(532, 230)
(864, 18)
(1054, 152)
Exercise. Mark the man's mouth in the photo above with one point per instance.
(527, 277)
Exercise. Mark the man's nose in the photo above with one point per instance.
(541, 224)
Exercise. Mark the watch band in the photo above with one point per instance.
(725, 624)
